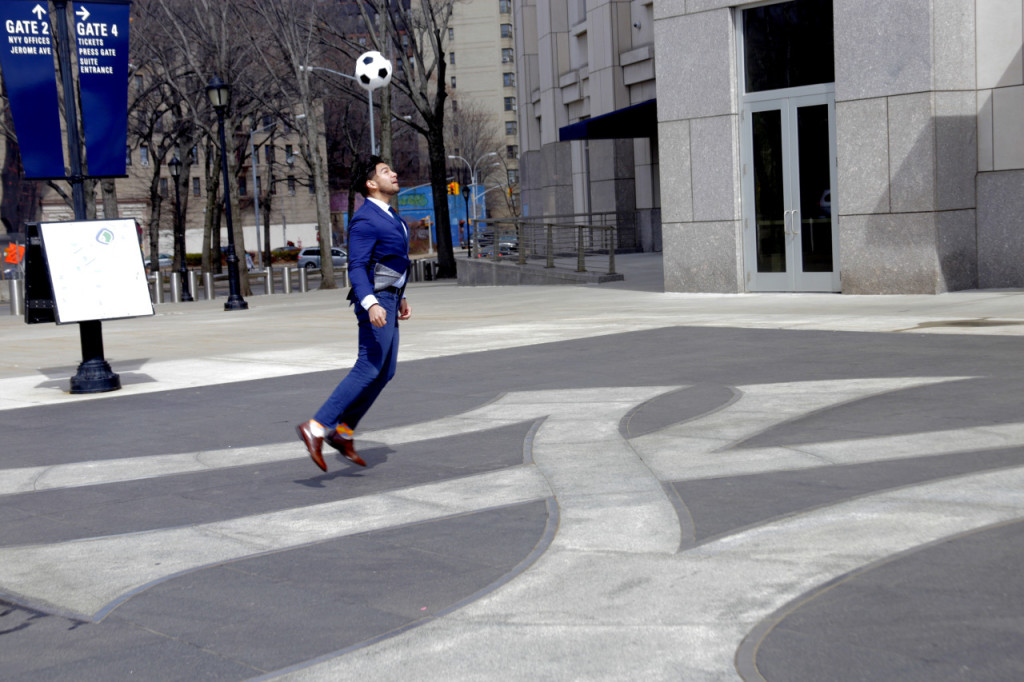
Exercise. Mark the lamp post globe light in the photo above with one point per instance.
(219, 93)
(174, 166)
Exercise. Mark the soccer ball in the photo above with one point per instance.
(373, 70)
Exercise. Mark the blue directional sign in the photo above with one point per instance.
(26, 58)
(101, 32)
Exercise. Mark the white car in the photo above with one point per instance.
(309, 258)
(162, 261)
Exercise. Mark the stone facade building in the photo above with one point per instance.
(855, 146)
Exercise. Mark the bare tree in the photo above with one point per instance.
(474, 134)
(413, 34)
(211, 39)
(293, 29)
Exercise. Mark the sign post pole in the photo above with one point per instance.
(94, 373)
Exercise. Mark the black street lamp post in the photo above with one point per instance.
(174, 165)
(94, 374)
(219, 93)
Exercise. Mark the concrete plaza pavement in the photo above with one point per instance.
(592, 482)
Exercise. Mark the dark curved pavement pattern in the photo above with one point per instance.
(563, 483)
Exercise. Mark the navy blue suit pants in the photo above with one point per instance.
(374, 368)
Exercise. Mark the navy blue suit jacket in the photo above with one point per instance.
(374, 236)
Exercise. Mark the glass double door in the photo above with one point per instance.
(789, 174)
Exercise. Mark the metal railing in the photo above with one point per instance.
(581, 247)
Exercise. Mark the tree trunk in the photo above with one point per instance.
(211, 221)
(154, 233)
(265, 208)
(110, 209)
(323, 202)
(446, 268)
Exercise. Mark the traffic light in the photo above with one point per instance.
(453, 188)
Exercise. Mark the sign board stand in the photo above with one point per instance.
(102, 40)
(94, 373)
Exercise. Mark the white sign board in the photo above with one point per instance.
(96, 270)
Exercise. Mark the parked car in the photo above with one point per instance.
(309, 258)
(509, 239)
(504, 251)
(825, 204)
(286, 253)
(162, 261)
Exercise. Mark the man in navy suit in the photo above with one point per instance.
(378, 261)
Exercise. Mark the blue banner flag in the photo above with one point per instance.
(101, 34)
(26, 57)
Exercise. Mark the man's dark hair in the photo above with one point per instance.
(366, 168)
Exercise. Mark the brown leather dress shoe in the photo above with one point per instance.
(313, 444)
(345, 446)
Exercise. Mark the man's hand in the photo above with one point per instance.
(404, 311)
(378, 316)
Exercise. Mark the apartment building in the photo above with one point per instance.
(481, 74)
(863, 146)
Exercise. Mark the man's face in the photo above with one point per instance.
(386, 180)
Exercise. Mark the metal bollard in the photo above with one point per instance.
(175, 287)
(269, 282)
(158, 288)
(303, 281)
(286, 280)
(193, 284)
(211, 293)
(17, 288)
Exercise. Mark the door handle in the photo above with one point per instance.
(789, 220)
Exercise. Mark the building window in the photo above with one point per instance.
(510, 127)
(312, 186)
(195, 187)
(510, 104)
(509, 78)
(788, 47)
(506, 30)
(268, 154)
(194, 153)
(362, 41)
(455, 105)
(273, 184)
(128, 156)
(451, 57)
(291, 185)
(143, 155)
(505, 6)
(259, 185)
(453, 81)
(289, 155)
(451, 33)
(513, 177)
(512, 151)
(138, 81)
(241, 186)
(507, 55)
(163, 187)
